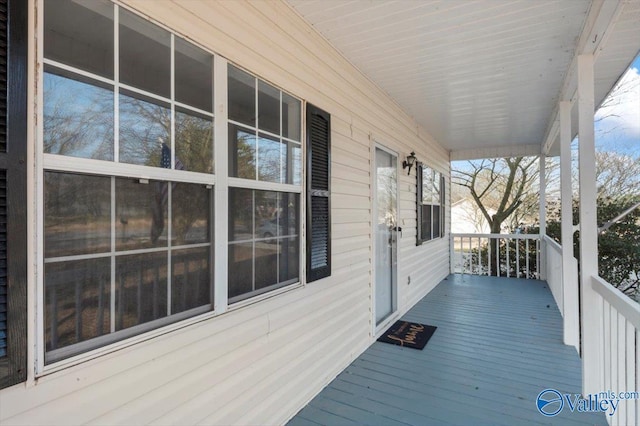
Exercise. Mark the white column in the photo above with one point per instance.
(591, 308)
(543, 216)
(569, 270)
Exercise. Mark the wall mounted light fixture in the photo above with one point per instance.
(409, 162)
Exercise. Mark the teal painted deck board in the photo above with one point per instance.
(498, 344)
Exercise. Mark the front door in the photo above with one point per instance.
(386, 230)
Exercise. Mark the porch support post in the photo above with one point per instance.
(543, 217)
(591, 308)
(570, 310)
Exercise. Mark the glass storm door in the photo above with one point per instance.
(386, 247)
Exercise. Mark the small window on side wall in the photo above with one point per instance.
(430, 204)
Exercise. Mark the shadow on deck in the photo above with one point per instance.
(497, 346)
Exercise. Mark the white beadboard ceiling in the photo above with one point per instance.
(476, 74)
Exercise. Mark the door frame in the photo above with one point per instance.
(377, 330)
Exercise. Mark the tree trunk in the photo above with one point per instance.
(495, 229)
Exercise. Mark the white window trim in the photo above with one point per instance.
(441, 204)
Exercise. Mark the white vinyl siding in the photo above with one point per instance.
(260, 363)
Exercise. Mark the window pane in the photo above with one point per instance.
(266, 261)
(267, 204)
(145, 126)
(426, 222)
(80, 33)
(427, 185)
(242, 152)
(269, 159)
(194, 142)
(268, 108)
(290, 117)
(240, 269)
(435, 193)
(292, 163)
(77, 301)
(242, 96)
(141, 214)
(141, 288)
(289, 259)
(288, 213)
(191, 213)
(190, 283)
(240, 214)
(77, 214)
(266, 251)
(145, 55)
(78, 117)
(194, 75)
(436, 221)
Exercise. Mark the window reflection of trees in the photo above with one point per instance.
(144, 127)
(78, 118)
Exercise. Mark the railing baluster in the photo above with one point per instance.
(606, 317)
(538, 258)
(636, 339)
(527, 254)
(517, 258)
(470, 257)
(497, 257)
(507, 241)
(479, 249)
(621, 382)
(631, 366)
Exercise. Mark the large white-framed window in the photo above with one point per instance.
(265, 183)
(140, 228)
(430, 204)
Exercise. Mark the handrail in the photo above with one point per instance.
(620, 301)
(507, 236)
(553, 243)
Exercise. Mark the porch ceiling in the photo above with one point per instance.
(479, 75)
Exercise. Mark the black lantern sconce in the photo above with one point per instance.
(409, 162)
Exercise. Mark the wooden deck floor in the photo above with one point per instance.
(497, 346)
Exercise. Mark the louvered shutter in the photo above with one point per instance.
(318, 194)
(13, 180)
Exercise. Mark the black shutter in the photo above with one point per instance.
(13, 190)
(442, 204)
(318, 193)
(419, 226)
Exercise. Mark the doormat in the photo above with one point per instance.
(408, 334)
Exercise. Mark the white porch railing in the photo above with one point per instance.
(502, 255)
(618, 349)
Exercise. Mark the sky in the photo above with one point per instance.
(617, 126)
